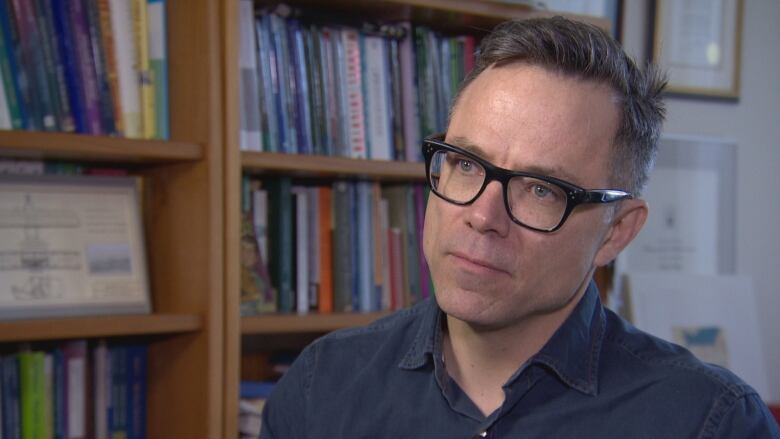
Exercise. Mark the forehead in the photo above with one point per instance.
(521, 116)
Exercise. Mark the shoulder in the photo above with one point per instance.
(386, 337)
(670, 381)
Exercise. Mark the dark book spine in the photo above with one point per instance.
(86, 65)
(54, 67)
(105, 103)
(66, 48)
(16, 104)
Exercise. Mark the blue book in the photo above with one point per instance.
(60, 431)
(266, 64)
(365, 256)
(298, 68)
(136, 385)
(256, 389)
(12, 417)
(117, 419)
(289, 143)
(67, 49)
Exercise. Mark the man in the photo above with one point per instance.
(516, 342)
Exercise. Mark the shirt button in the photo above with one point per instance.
(483, 434)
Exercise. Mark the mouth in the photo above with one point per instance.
(471, 263)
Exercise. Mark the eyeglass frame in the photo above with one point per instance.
(575, 195)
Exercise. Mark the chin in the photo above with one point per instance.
(474, 308)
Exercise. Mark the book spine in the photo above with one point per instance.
(101, 387)
(301, 249)
(396, 97)
(5, 114)
(376, 98)
(125, 52)
(75, 357)
(86, 66)
(48, 396)
(249, 136)
(158, 64)
(409, 93)
(383, 215)
(55, 78)
(266, 63)
(118, 421)
(60, 420)
(14, 100)
(298, 69)
(145, 84)
(105, 102)
(287, 136)
(11, 420)
(342, 247)
(354, 94)
(31, 389)
(281, 233)
(67, 51)
(365, 266)
(314, 242)
(137, 377)
(22, 22)
(109, 56)
(325, 299)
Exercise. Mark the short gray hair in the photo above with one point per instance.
(587, 52)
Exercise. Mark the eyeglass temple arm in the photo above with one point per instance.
(606, 196)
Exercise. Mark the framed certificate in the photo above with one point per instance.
(698, 44)
(71, 246)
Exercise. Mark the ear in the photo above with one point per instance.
(628, 221)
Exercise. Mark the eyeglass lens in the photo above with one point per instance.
(531, 201)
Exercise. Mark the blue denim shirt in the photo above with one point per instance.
(597, 377)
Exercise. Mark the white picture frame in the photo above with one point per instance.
(71, 246)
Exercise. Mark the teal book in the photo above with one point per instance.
(280, 224)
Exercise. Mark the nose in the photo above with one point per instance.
(487, 214)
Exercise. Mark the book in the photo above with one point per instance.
(364, 263)
(280, 232)
(109, 57)
(32, 394)
(343, 205)
(314, 242)
(102, 389)
(377, 101)
(32, 77)
(76, 361)
(300, 195)
(102, 81)
(266, 67)
(411, 116)
(158, 66)
(125, 55)
(85, 66)
(66, 47)
(352, 92)
(143, 74)
(11, 420)
(55, 72)
(257, 294)
(10, 76)
(325, 299)
(136, 404)
(249, 136)
(5, 114)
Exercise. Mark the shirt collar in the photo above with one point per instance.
(572, 352)
(574, 349)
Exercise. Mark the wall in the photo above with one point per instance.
(754, 123)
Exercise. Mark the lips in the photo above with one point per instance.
(475, 263)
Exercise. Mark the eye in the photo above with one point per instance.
(465, 165)
(542, 191)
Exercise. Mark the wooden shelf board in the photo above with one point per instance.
(454, 15)
(324, 166)
(305, 323)
(99, 326)
(81, 147)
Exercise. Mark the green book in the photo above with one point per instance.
(32, 390)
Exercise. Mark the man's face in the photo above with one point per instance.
(489, 271)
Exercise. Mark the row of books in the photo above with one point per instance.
(74, 391)
(253, 395)
(10, 166)
(84, 66)
(345, 246)
(370, 92)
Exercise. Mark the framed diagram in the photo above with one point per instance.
(71, 245)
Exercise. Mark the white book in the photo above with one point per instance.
(126, 60)
(352, 91)
(301, 248)
(249, 137)
(378, 126)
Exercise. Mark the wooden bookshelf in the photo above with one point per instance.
(79, 147)
(102, 326)
(183, 224)
(331, 167)
(271, 324)
(475, 17)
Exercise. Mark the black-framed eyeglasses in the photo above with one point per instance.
(538, 202)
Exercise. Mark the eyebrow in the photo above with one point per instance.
(556, 171)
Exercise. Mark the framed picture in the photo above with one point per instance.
(71, 246)
(698, 44)
(691, 227)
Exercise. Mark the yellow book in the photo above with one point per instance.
(145, 80)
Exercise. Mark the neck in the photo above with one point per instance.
(482, 360)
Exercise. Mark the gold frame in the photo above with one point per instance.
(719, 81)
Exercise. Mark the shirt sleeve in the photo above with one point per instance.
(748, 418)
(285, 412)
